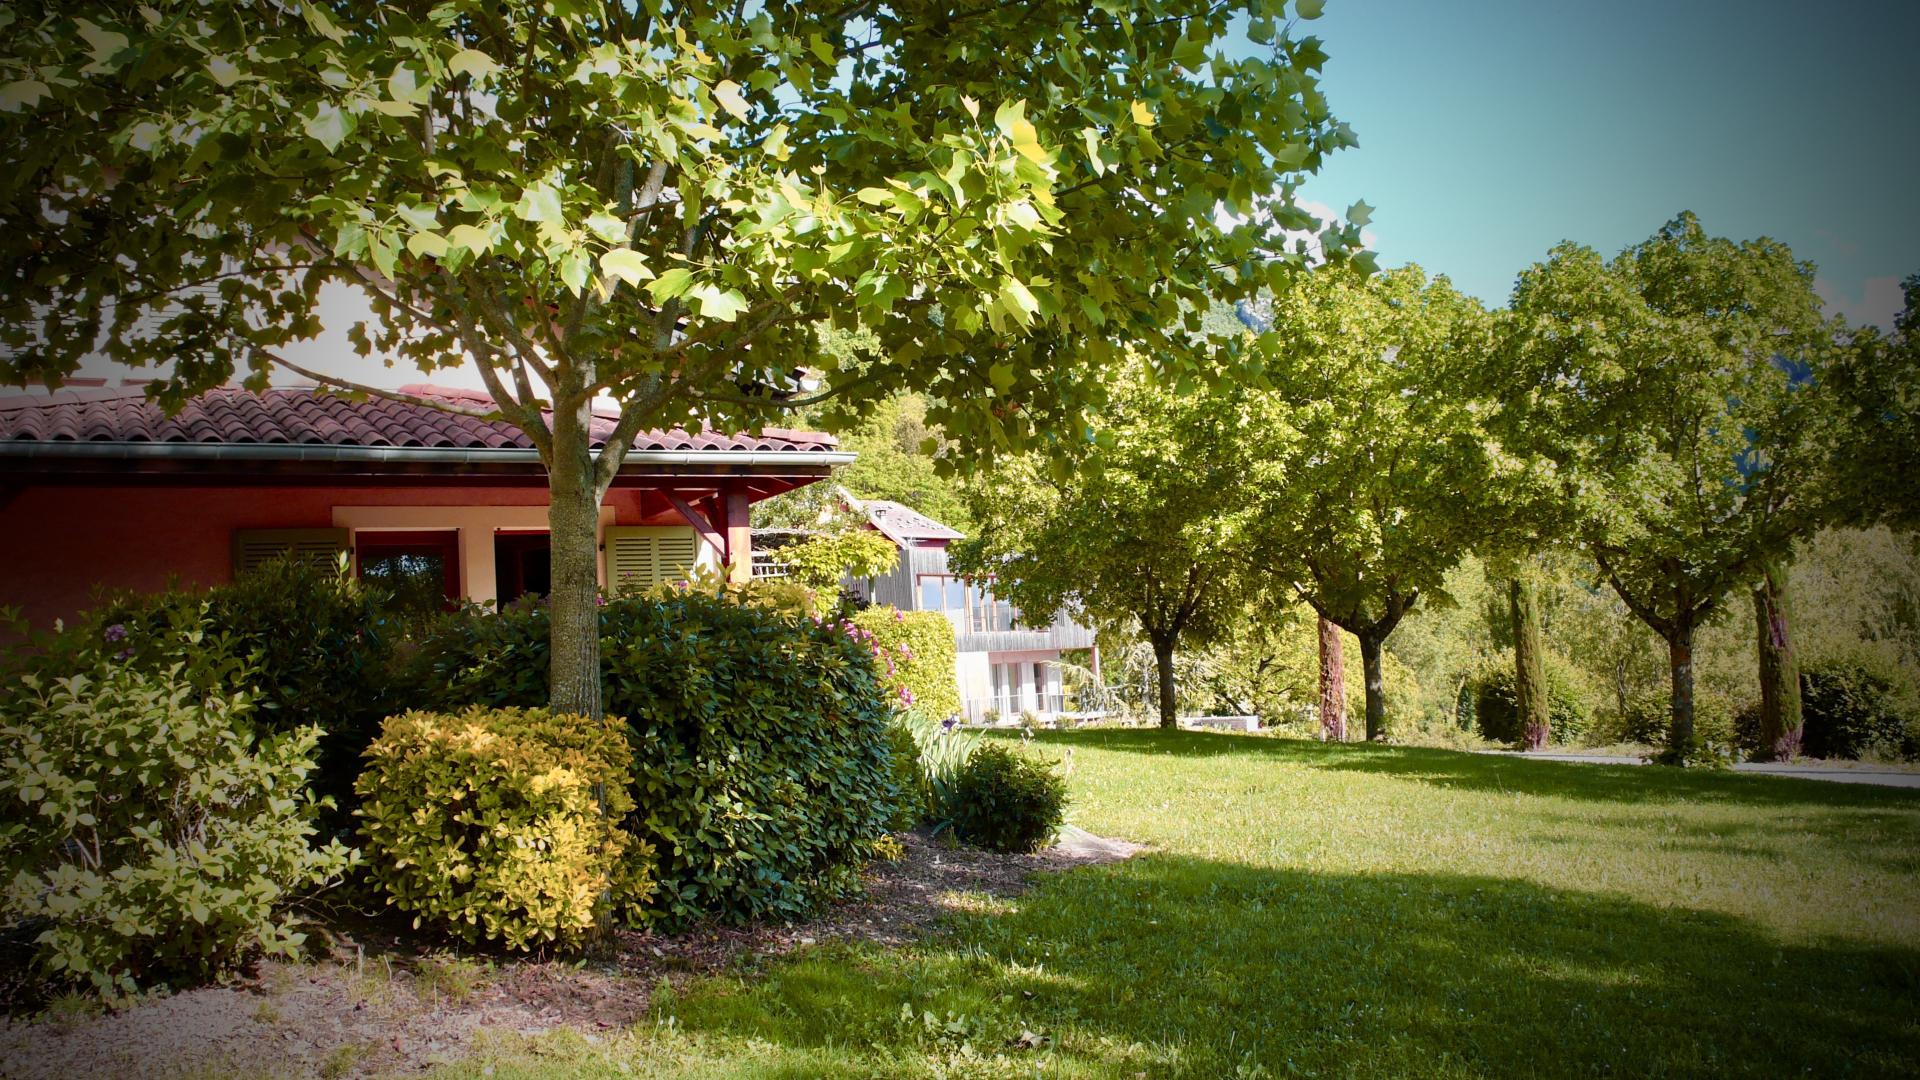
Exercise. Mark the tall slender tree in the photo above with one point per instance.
(653, 203)
(1333, 681)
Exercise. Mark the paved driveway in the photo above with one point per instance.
(1859, 774)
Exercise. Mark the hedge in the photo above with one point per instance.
(916, 652)
(763, 769)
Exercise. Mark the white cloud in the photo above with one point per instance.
(1877, 303)
(1226, 219)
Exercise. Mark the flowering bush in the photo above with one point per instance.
(915, 653)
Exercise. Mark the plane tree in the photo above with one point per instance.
(1388, 476)
(1678, 391)
(652, 203)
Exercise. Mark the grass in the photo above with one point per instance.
(1369, 912)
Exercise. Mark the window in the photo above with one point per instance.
(419, 571)
(522, 564)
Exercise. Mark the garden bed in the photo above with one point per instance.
(385, 1001)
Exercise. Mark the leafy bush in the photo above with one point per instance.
(762, 771)
(1496, 711)
(915, 649)
(819, 562)
(322, 649)
(942, 748)
(1859, 705)
(488, 823)
(149, 839)
(1005, 801)
(909, 776)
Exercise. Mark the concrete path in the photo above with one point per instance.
(1860, 774)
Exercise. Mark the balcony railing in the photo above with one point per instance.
(1008, 707)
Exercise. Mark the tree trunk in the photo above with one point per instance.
(573, 606)
(1333, 683)
(1163, 663)
(1376, 686)
(1780, 717)
(1530, 703)
(1680, 664)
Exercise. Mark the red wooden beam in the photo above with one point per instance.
(708, 529)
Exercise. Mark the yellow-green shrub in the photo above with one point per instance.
(148, 836)
(490, 822)
(914, 651)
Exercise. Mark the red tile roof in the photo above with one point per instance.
(312, 417)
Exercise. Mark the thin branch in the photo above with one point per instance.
(350, 386)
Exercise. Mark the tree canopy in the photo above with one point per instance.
(1677, 388)
(653, 202)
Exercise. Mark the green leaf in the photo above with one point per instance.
(626, 264)
(539, 203)
(670, 284)
(224, 71)
(607, 227)
(328, 125)
(471, 238)
(1309, 9)
(22, 95)
(727, 93)
(106, 44)
(717, 303)
(316, 15)
(1142, 115)
(1018, 298)
(1359, 213)
(575, 269)
(472, 62)
(1092, 138)
(1008, 114)
(428, 245)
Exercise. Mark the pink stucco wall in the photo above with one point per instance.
(59, 543)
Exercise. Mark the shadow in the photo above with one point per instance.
(1167, 965)
(1511, 774)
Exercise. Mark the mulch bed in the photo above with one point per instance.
(388, 1001)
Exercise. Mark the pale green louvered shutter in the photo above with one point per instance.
(251, 547)
(641, 556)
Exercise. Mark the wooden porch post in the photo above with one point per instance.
(739, 535)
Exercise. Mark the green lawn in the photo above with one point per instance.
(1362, 911)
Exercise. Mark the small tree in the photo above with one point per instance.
(651, 203)
(1676, 389)
(1148, 529)
(1388, 479)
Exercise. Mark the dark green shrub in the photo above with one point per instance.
(909, 776)
(1494, 709)
(762, 764)
(149, 837)
(1005, 801)
(915, 651)
(488, 823)
(1859, 706)
(321, 647)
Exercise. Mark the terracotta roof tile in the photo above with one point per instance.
(306, 417)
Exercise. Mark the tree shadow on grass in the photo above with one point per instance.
(1502, 773)
(1173, 966)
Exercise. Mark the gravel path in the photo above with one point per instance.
(388, 1002)
(1833, 774)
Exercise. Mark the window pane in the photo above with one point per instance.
(956, 595)
(929, 593)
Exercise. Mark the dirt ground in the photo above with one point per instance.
(382, 1003)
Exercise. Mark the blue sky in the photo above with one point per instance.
(1492, 129)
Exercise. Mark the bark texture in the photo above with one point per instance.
(1530, 702)
(573, 515)
(1781, 723)
(1333, 683)
(1163, 664)
(1370, 660)
(1680, 666)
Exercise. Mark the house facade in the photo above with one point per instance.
(1004, 666)
(100, 488)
